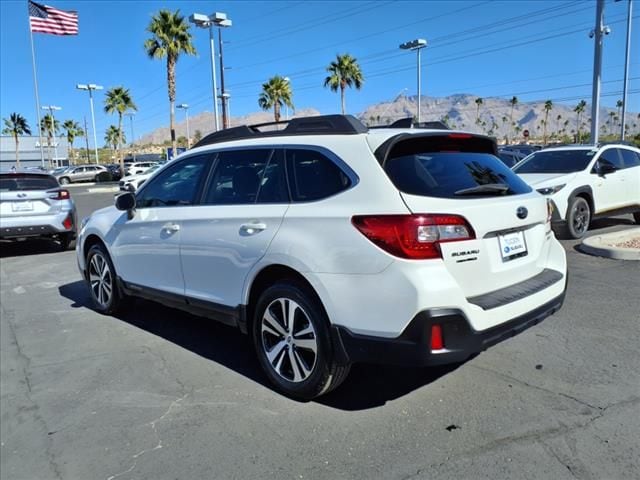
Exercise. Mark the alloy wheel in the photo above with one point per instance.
(581, 218)
(100, 279)
(289, 340)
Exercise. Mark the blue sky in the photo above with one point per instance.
(533, 49)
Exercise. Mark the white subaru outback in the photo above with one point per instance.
(585, 182)
(330, 243)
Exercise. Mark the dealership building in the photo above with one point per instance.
(29, 152)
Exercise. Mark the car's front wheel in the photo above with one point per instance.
(101, 279)
(579, 218)
(292, 341)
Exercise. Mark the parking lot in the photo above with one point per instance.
(162, 394)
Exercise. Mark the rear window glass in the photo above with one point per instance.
(556, 161)
(453, 175)
(313, 176)
(16, 183)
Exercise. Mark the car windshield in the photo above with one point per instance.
(18, 182)
(556, 161)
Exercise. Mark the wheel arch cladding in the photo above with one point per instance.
(583, 192)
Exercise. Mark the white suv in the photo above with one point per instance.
(585, 182)
(330, 244)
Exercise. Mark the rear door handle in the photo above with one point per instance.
(171, 227)
(252, 228)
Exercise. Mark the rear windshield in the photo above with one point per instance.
(17, 182)
(556, 161)
(453, 175)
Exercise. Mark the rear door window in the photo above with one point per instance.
(313, 176)
(456, 168)
(629, 158)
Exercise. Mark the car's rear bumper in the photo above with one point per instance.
(37, 225)
(413, 346)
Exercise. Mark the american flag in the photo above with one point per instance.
(46, 19)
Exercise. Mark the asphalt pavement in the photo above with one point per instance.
(160, 394)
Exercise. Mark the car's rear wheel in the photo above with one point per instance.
(101, 279)
(579, 218)
(64, 181)
(292, 341)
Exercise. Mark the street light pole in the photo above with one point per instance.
(51, 109)
(203, 21)
(417, 45)
(133, 138)
(91, 87)
(221, 21)
(597, 69)
(626, 72)
(185, 107)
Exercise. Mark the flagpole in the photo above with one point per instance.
(35, 83)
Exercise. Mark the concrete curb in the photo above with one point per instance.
(602, 245)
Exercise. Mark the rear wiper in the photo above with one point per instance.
(487, 188)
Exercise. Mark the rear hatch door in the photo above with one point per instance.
(28, 195)
(460, 174)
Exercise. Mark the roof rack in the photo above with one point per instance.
(410, 123)
(319, 125)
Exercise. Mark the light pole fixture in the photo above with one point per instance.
(91, 87)
(51, 109)
(216, 19)
(133, 138)
(185, 107)
(417, 45)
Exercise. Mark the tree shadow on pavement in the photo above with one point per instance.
(367, 386)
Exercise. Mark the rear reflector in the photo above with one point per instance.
(413, 236)
(437, 343)
(68, 222)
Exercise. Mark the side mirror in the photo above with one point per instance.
(604, 168)
(126, 202)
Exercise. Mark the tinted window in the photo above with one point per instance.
(629, 158)
(448, 174)
(273, 184)
(556, 161)
(611, 156)
(508, 158)
(15, 183)
(312, 176)
(177, 185)
(237, 177)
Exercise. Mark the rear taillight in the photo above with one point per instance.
(413, 236)
(59, 194)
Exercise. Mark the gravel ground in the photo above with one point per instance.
(631, 243)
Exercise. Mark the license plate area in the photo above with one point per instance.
(22, 206)
(512, 245)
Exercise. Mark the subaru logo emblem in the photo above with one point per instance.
(522, 212)
(22, 195)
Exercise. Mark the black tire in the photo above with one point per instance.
(64, 181)
(636, 217)
(116, 302)
(578, 218)
(65, 241)
(317, 373)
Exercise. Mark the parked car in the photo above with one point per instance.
(83, 173)
(509, 157)
(33, 205)
(114, 170)
(585, 182)
(131, 183)
(524, 149)
(137, 167)
(330, 244)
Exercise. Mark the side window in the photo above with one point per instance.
(612, 157)
(312, 176)
(273, 184)
(237, 177)
(177, 185)
(629, 158)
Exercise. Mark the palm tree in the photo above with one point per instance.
(344, 72)
(72, 130)
(619, 104)
(612, 116)
(16, 125)
(50, 127)
(548, 106)
(171, 38)
(579, 109)
(558, 118)
(114, 137)
(513, 102)
(479, 102)
(276, 93)
(118, 100)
